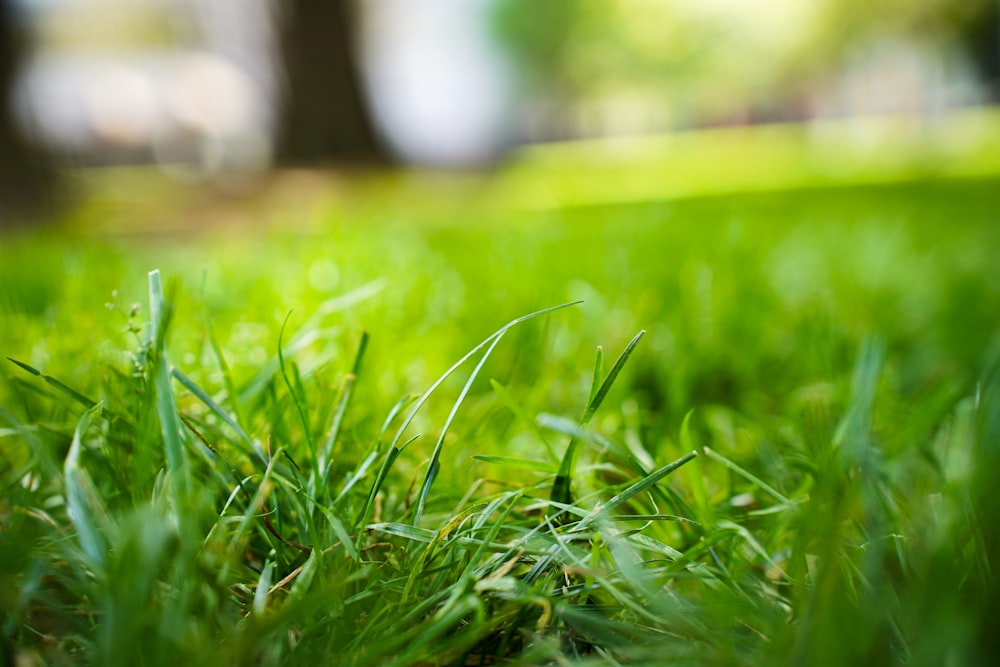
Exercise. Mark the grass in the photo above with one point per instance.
(368, 433)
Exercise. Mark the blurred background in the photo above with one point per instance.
(224, 91)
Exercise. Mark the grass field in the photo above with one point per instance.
(263, 454)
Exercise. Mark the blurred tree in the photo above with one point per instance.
(325, 116)
(27, 177)
(537, 33)
(698, 57)
(983, 39)
(538, 37)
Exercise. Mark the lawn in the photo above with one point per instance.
(764, 429)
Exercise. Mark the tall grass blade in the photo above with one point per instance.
(48, 379)
(390, 458)
(302, 582)
(595, 383)
(487, 341)
(514, 462)
(295, 390)
(606, 385)
(210, 403)
(394, 450)
(263, 589)
(82, 504)
(695, 475)
(343, 399)
(227, 376)
(562, 485)
(28, 432)
(166, 407)
(309, 333)
(747, 475)
(852, 433)
(632, 491)
(434, 466)
(341, 532)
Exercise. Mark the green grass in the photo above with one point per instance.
(273, 455)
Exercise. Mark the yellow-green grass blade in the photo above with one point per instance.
(166, 406)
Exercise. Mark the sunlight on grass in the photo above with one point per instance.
(319, 441)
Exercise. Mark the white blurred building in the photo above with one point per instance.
(189, 84)
(440, 87)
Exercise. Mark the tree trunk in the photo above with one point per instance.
(27, 176)
(325, 116)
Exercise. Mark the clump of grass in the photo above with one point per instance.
(240, 550)
(194, 540)
(230, 491)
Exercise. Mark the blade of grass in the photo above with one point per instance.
(343, 398)
(514, 462)
(256, 504)
(38, 450)
(852, 434)
(390, 458)
(582, 434)
(227, 376)
(48, 379)
(214, 452)
(362, 470)
(747, 475)
(219, 411)
(166, 407)
(394, 450)
(633, 490)
(695, 475)
(595, 383)
(308, 334)
(297, 399)
(561, 486)
(606, 385)
(341, 532)
(82, 504)
(305, 577)
(487, 341)
(263, 588)
(435, 465)
(261, 381)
